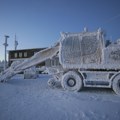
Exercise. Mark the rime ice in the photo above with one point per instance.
(77, 60)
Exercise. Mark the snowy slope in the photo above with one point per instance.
(33, 100)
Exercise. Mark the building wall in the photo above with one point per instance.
(22, 54)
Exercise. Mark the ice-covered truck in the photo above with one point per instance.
(78, 60)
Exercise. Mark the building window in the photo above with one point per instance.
(20, 54)
(25, 54)
(15, 55)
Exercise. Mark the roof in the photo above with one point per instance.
(26, 49)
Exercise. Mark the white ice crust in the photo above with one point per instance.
(76, 51)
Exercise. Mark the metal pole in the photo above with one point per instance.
(16, 43)
(5, 44)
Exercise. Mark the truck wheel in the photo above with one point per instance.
(116, 84)
(72, 81)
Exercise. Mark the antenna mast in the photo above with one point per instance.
(16, 43)
(5, 44)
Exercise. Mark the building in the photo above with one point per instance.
(22, 54)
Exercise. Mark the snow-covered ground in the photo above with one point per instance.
(33, 100)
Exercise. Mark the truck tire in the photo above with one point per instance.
(72, 81)
(116, 84)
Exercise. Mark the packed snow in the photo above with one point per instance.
(32, 99)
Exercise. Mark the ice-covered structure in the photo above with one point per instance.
(31, 73)
(77, 60)
(81, 50)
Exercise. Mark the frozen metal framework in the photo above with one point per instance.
(77, 60)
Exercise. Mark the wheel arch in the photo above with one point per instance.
(82, 75)
(113, 77)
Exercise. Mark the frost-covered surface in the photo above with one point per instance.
(31, 73)
(77, 49)
(112, 55)
(20, 66)
(33, 100)
(87, 50)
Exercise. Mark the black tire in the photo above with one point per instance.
(72, 81)
(116, 84)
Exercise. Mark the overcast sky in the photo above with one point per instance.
(38, 23)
